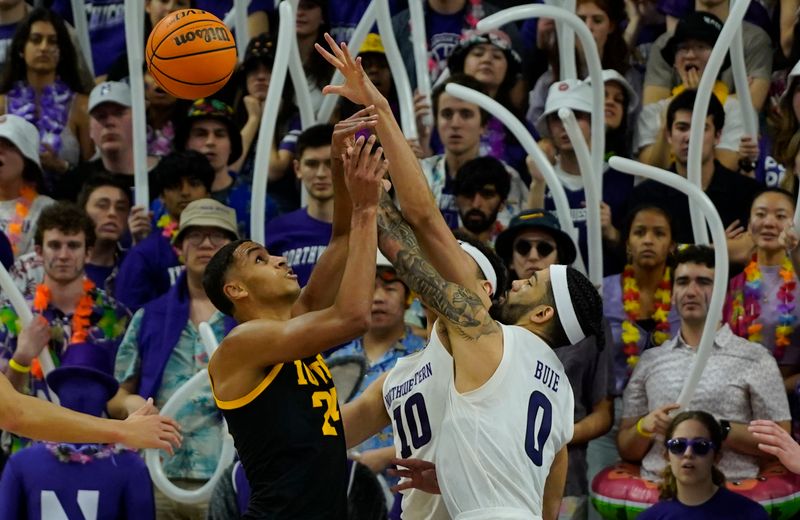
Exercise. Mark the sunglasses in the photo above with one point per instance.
(523, 247)
(699, 445)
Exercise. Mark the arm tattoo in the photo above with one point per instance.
(457, 304)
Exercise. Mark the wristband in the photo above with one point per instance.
(16, 367)
(641, 431)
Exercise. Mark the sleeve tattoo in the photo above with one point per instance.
(456, 304)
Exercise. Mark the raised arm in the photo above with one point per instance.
(348, 318)
(326, 277)
(475, 338)
(416, 200)
(39, 419)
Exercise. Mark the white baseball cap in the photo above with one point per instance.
(382, 261)
(569, 93)
(613, 75)
(110, 92)
(21, 134)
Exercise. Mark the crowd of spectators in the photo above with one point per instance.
(98, 270)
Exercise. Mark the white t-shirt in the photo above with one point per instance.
(498, 442)
(8, 210)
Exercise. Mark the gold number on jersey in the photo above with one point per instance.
(319, 399)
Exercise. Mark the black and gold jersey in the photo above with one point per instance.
(289, 435)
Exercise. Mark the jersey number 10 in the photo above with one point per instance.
(419, 427)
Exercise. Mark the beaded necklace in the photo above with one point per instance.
(662, 299)
(67, 453)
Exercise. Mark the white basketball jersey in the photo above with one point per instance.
(414, 394)
(497, 442)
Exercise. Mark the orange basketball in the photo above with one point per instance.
(190, 53)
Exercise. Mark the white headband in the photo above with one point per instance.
(564, 308)
(483, 263)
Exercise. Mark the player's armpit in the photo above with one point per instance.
(554, 486)
(365, 415)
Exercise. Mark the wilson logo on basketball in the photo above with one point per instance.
(209, 35)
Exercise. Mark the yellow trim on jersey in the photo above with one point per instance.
(255, 392)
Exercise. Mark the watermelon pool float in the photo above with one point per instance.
(618, 492)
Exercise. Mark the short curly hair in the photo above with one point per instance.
(67, 217)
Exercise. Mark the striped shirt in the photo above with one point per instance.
(741, 382)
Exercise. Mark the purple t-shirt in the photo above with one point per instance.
(344, 18)
(300, 238)
(220, 8)
(106, 29)
(616, 188)
(148, 271)
(35, 485)
(724, 504)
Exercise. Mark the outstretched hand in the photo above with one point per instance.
(420, 474)
(357, 87)
(344, 132)
(364, 171)
(145, 429)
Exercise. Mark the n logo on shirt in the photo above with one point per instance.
(87, 502)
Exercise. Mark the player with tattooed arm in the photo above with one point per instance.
(508, 390)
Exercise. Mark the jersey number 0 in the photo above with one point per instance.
(536, 435)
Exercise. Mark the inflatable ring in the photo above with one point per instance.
(619, 492)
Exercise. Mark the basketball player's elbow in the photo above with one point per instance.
(357, 316)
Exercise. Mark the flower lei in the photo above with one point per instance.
(168, 226)
(21, 210)
(747, 307)
(159, 140)
(81, 454)
(630, 304)
(50, 115)
(80, 318)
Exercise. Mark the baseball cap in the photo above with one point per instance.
(208, 213)
(699, 25)
(110, 92)
(21, 134)
(613, 75)
(536, 219)
(569, 93)
(372, 43)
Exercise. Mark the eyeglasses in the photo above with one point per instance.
(700, 446)
(196, 237)
(523, 247)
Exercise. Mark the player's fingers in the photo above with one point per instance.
(364, 112)
(333, 89)
(402, 486)
(346, 56)
(417, 464)
(330, 58)
(366, 150)
(375, 162)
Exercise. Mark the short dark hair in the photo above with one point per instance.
(695, 254)
(497, 264)
(459, 79)
(477, 173)
(685, 101)
(315, 136)
(98, 181)
(186, 164)
(215, 276)
(66, 217)
(588, 307)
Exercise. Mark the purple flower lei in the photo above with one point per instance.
(53, 109)
(68, 453)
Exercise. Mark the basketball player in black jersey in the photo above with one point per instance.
(268, 376)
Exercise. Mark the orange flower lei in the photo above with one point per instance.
(21, 209)
(80, 318)
(630, 304)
